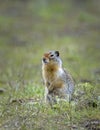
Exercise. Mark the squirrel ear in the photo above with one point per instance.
(57, 53)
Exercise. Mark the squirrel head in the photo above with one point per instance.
(51, 56)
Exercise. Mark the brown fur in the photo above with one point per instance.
(56, 79)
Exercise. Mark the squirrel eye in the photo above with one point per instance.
(51, 55)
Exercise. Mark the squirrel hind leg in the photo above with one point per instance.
(50, 99)
(69, 97)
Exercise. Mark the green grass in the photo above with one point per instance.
(26, 34)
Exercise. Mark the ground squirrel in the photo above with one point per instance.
(58, 82)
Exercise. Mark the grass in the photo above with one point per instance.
(32, 29)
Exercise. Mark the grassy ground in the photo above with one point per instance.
(27, 30)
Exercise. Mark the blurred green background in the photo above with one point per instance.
(28, 28)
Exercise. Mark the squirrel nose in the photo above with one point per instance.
(44, 60)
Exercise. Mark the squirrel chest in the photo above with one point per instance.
(52, 74)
